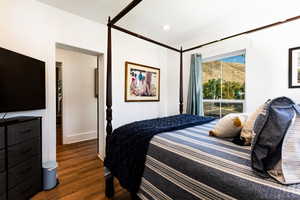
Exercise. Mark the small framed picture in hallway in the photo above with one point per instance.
(96, 77)
(142, 83)
(294, 67)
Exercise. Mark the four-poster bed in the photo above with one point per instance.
(109, 190)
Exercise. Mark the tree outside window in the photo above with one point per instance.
(224, 86)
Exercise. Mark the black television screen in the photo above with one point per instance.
(22, 82)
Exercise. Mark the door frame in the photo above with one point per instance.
(57, 66)
(100, 99)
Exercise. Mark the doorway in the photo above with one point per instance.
(59, 95)
(78, 97)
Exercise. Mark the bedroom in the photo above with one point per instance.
(33, 28)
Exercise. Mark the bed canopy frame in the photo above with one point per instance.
(109, 191)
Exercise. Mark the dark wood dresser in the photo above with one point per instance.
(20, 158)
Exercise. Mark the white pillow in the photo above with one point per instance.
(229, 126)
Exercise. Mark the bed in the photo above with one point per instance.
(189, 164)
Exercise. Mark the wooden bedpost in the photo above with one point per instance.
(109, 82)
(181, 83)
(109, 179)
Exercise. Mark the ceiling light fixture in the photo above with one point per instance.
(166, 27)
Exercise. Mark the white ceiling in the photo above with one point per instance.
(96, 10)
(187, 18)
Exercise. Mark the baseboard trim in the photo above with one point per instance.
(80, 137)
(99, 156)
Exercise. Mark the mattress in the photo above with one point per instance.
(189, 164)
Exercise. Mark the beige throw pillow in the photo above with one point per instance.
(247, 131)
(229, 126)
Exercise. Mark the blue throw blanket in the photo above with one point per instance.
(127, 146)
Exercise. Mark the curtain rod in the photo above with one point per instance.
(245, 32)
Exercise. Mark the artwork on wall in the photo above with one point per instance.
(96, 83)
(142, 83)
(294, 67)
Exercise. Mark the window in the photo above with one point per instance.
(224, 85)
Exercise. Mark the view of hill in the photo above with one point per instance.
(232, 87)
(234, 72)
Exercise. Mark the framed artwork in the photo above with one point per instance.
(142, 83)
(294, 67)
(96, 83)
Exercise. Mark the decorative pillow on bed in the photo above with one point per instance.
(229, 126)
(286, 170)
(247, 130)
(276, 142)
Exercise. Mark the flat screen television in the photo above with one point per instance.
(22, 82)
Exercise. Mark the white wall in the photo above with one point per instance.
(32, 28)
(173, 67)
(79, 102)
(266, 60)
(137, 51)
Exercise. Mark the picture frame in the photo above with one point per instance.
(142, 83)
(96, 82)
(294, 67)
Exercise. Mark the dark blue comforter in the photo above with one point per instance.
(127, 146)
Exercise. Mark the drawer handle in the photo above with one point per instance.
(24, 171)
(26, 150)
(26, 131)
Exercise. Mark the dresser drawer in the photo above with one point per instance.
(22, 152)
(24, 171)
(2, 160)
(26, 189)
(2, 183)
(2, 138)
(3, 196)
(23, 131)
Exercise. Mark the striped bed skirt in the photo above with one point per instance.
(189, 164)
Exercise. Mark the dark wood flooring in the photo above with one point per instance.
(81, 175)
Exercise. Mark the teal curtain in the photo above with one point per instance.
(195, 94)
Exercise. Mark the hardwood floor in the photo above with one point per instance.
(59, 137)
(80, 173)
